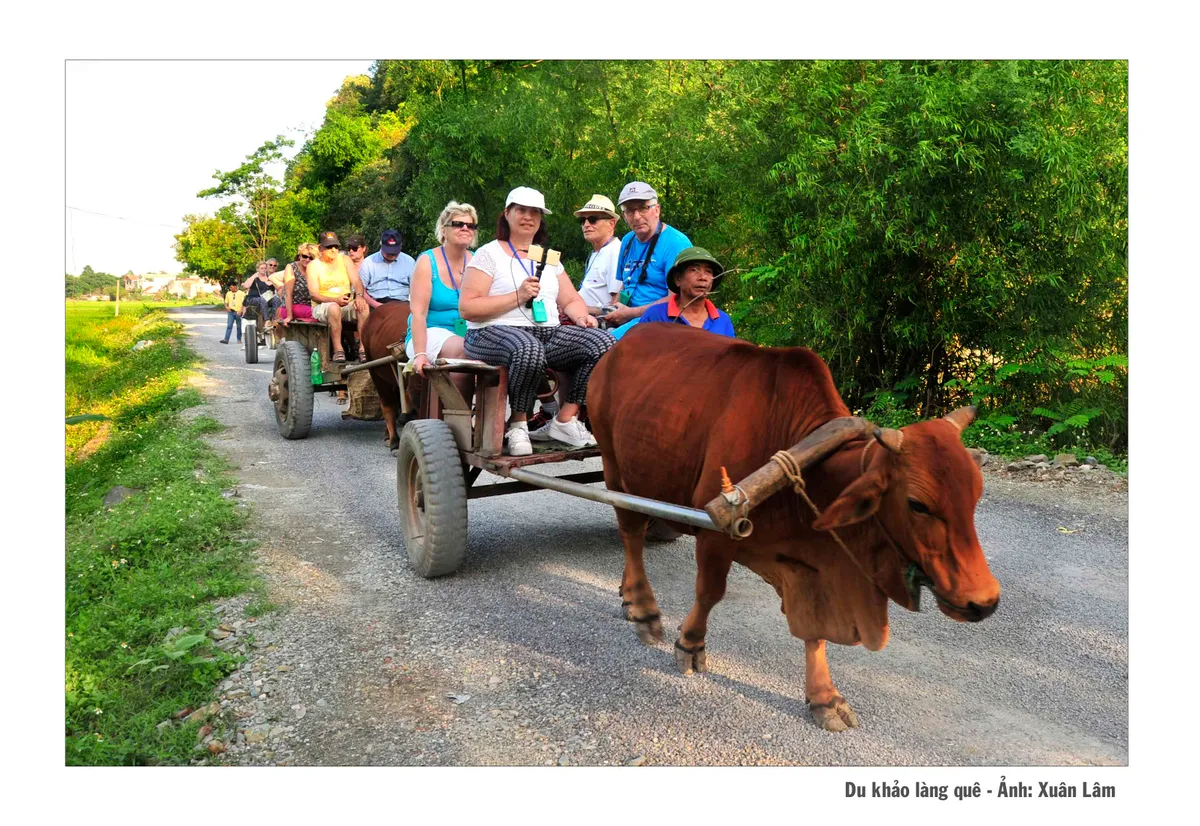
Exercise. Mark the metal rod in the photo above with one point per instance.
(638, 504)
(503, 488)
(367, 365)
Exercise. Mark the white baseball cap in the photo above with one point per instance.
(529, 197)
(638, 191)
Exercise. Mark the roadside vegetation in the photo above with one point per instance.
(943, 232)
(140, 573)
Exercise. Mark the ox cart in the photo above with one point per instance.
(255, 333)
(447, 446)
(294, 382)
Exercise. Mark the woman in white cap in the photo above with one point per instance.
(513, 316)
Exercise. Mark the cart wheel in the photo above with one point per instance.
(250, 336)
(432, 495)
(291, 390)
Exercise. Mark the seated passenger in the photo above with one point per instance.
(258, 287)
(296, 301)
(690, 280)
(434, 326)
(274, 293)
(337, 294)
(502, 330)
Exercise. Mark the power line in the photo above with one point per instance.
(122, 218)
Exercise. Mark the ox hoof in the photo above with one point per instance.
(836, 715)
(624, 612)
(649, 629)
(688, 660)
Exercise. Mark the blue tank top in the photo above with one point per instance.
(443, 303)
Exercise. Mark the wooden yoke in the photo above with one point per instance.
(728, 510)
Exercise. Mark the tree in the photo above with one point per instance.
(254, 192)
(213, 247)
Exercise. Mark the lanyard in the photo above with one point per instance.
(592, 258)
(450, 270)
(645, 261)
(532, 271)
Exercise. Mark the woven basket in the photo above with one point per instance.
(363, 401)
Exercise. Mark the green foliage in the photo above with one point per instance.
(90, 282)
(151, 563)
(941, 227)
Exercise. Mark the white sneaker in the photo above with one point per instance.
(570, 432)
(518, 439)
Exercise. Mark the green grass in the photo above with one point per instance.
(151, 563)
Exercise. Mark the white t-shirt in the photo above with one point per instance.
(495, 259)
(600, 279)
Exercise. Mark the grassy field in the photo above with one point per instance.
(139, 573)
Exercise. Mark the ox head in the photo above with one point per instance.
(923, 485)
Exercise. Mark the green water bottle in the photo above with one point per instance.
(315, 361)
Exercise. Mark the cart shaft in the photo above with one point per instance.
(639, 504)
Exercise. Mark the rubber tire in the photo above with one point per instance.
(250, 336)
(429, 456)
(298, 422)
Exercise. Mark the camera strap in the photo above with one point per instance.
(645, 261)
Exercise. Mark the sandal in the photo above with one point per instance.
(339, 356)
(362, 352)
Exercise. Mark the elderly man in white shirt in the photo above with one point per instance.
(601, 281)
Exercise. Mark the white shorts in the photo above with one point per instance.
(435, 340)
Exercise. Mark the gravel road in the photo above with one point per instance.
(521, 658)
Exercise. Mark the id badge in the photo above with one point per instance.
(460, 327)
(624, 297)
(539, 311)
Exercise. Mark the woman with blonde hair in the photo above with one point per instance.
(435, 328)
(297, 303)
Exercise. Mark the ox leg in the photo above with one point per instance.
(829, 709)
(637, 597)
(714, 557)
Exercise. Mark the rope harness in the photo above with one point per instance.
(914, 577)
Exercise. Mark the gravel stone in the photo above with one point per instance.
(538, 589)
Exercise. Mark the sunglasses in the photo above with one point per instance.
(461, 224)
(306, 257)
(332, 247)
(591, 219)
(354, 248)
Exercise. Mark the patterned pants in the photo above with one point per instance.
(528, 351)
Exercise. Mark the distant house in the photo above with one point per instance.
(190, 287)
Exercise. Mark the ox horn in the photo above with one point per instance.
(889, 438)
(962, 417)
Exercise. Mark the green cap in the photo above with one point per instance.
(688, 256)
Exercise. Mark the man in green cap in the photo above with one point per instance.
(690, 280)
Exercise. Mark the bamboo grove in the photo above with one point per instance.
(939, 231)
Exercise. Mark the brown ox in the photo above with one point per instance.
(386, 325)
(670, 405)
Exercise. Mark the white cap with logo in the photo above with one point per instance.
(638, 191)
(529, 197)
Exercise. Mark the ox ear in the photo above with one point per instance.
(858, 501)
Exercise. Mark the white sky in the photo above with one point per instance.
(143, 137)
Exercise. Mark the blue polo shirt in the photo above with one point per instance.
(717, 322)
(383, 279)
(629, 264)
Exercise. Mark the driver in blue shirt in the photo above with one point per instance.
(691, 279)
